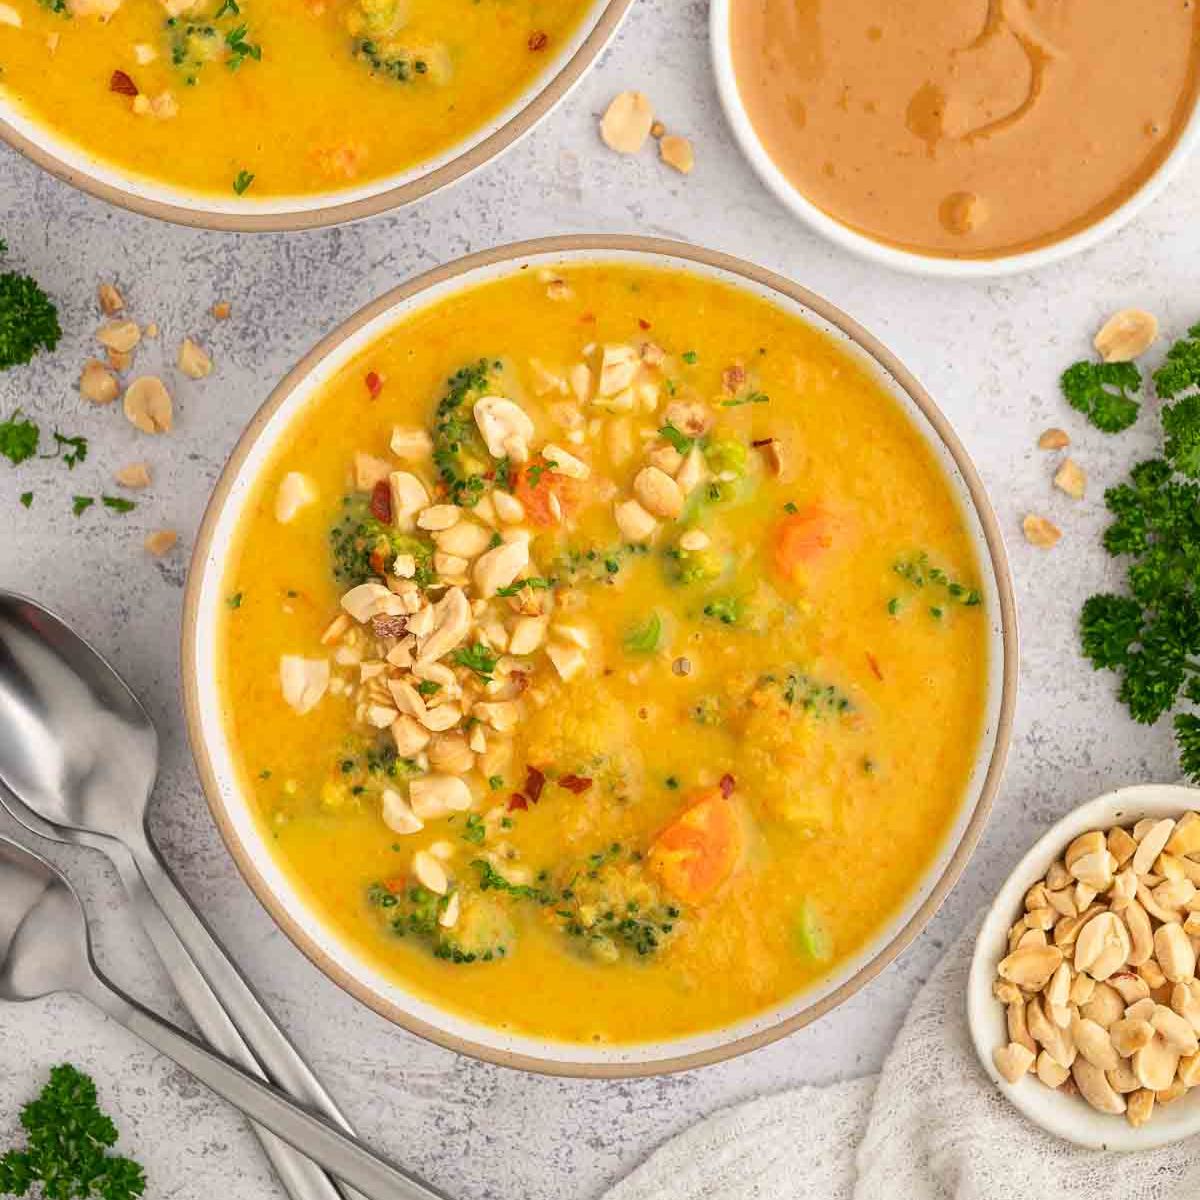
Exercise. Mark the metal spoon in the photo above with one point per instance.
(78, 760)
(45, 948)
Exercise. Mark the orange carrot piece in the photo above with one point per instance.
(801, 537)
(698, 851)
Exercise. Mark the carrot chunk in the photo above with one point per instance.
(546, 497)
(698, 851)
(801, 537)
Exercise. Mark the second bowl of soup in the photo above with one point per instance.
(283, 114)
(599, 656)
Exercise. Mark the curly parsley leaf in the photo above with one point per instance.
(1182, 368)
(73, 450)
(67, 1142)
(18, 438)
(28, 320)
(1101, 391)
(1181, 424)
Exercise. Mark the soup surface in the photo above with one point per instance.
(301, 95)
(604, 654)
(967, 128)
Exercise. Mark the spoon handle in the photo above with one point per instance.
(300, 1177)
(339, 1152)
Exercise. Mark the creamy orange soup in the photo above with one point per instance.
(274, 97)
(968, 128)
(604, 654)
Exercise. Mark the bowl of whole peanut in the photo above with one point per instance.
(1084, 1001)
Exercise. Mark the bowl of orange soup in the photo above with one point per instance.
(966, 138)
(283, 114)
(600, 656)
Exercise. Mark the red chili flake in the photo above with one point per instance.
(538, 41)
(873, 663)
(396, 884)
(378, 562)
(381, 502)
(534, 782)
(389, 627)
(575, 783)
(758, 445)
(643, 324)
(727, 784)
(374, 383)
(588, 319)
(517, 803)
(122, 84)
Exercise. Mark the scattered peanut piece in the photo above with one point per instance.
(120, 336)
(1054, 439)
(135, 475)
(111, 300)
(97, 383)
(148, 405)
(1071, 478)
(677, 152)
(1126, 335)
(1040, 532)
(657, 129)
(119, 360)
(193, 361)
(151, 330)
(161, 541)
(626, 123)
(10, 16)
(221, 310)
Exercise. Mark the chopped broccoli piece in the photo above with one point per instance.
(694, 566)
(482, 932)
(812, 936)
(726, 453)
(458, 449)
(28, 320)
(1101, 391)
(726, 609)
(365, 548)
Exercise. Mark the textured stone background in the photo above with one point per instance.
(990, 354)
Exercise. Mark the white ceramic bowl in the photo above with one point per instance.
(907, 260)
(1070, 1117)
(250, 846)
(97, 176)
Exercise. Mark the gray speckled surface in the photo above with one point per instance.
(989, 353)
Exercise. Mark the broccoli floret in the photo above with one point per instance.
(365, 548)
(726, 609)
(459, 451)
(694, 566)
(615, 910)
(726, 453)
(482, 931)
(802, 691)
(28, 320)
(1101, 391)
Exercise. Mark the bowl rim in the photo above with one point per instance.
(528, 109)
(992, 547)
(1069, 1117)
(896, 257)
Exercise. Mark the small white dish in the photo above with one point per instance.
(1070, 1117)
(909, 260)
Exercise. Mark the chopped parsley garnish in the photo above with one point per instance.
(68, 1138)
(1101, 391)
(27, 499)
(234, 601)
(491, 880)
(239, 51)
(18, 438)
(80, 504)
(228, 6)
(118, 504)
(749, 398)
(790, 507)
(534, 583)
(690, 357)
(726, 609)
(429, 687)
(535, 471)
(495, 782)
(73, 449)
(242, 180)
(477, 658)
(474, 831)
(679, 440)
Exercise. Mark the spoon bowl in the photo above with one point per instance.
(43, 938)
(76, 745)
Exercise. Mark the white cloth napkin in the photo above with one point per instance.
(930, 1126)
